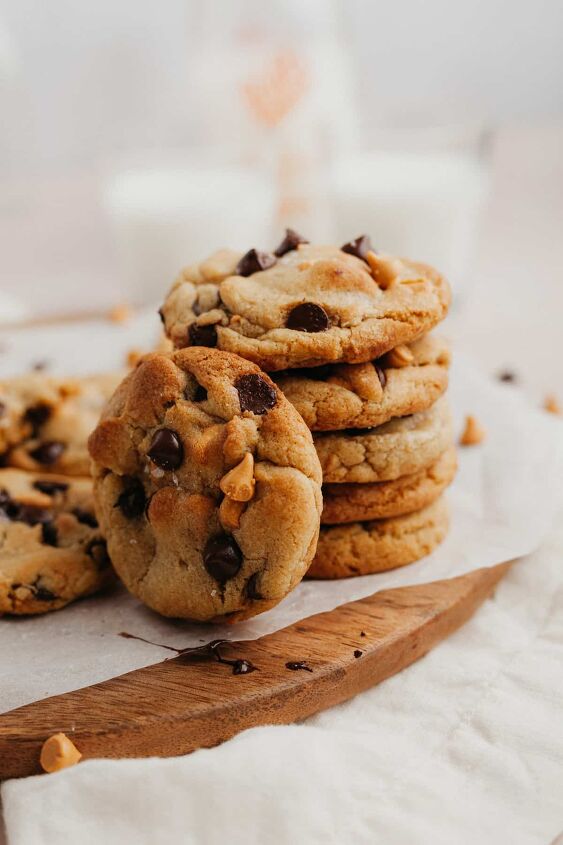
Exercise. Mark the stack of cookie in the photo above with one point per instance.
(344, 333)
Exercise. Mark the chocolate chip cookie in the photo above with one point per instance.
(45, 421)
(363, 548)
(383, 499)
(399, 447)
(208, 486)
(304, 305)
(408, 379)
(51, 549)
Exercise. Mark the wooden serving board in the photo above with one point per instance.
(177, 706)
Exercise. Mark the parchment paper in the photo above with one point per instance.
(502, 502)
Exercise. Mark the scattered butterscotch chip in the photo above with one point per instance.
(551, 405)
(133, 356)
(381, 269)
(473, 432)
(58, 752)
(120, 313)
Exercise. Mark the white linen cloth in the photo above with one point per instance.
(464, 747)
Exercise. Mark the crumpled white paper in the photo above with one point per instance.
(502, 502)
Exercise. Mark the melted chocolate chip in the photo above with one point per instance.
(49, 533)
(131, 501)
(255, 394)
(296, 665)
(85, 517)
(98, 551)
(48, 453)
(166, 449)
(290, 242)
(37, 416)
(308, 317)
(44, 485)
(202, 335)
(43, 594)
(359, 247)
(222, 557)
(380, 375)
(358, 653)
(240, 667)
(209, 651)
(253, 261)
(252, 590)
(200, 394)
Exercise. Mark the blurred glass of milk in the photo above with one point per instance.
(417, 193)
(167, 215)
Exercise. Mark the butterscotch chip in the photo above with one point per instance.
(230, 512)
(552, 405)
(133, 356)
(120, 313)
(58, 752)
(238, 484)
(400, 356)
(473, 432)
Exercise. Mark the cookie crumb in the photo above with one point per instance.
(473, 432)
(120, 313)
(58, 752)
(551, 405)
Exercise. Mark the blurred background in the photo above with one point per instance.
(137, 136)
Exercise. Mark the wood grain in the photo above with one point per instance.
(176, 706)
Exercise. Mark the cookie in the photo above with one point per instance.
(304, 305)
(406, 380)
(45, 421)
(51, 549)
(207, 484)
(399, 447)
(363, 548)
(384, 499)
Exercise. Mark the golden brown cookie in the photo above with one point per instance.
(399, 447)
(51, 549)
(406, 380)
(45, 421)
(304, 305)
(363, 548)
(384, 499)
(208, 486)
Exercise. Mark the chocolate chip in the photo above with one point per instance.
(290, 242)
(166, 449)
(242, 667)
(362, 634)
(44, 485)
(253, 261)
(98, 551)
(30, 514)
(48, 453)
(255, 394)
(200, 394)
(49, 533)
(161, 315)
(308, 317)
(252, 590)
(296, 665)
(380, 375)
(2, 409)
(222, 557)
(358, 653)
(507, 376)
(40, 366)
(131, 501)
(202, 335)
(85, 517)
(5, 498)
(42, 593)
(359, 247)
(37, 416)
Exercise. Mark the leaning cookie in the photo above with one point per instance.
(51, 549)
(364, 548)
(408, 379)
(208, 486)
(399, 447)
(384, 499)
(304, 305)
(45, 421)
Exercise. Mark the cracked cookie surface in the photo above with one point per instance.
(45, 421)
(310, 306)
(338, 396)
(51, 549)
(399, 447)
(208, 486)
(364, 548)
(384, 499)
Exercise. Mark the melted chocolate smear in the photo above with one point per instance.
(290, 242)
(209, 651)
(296, 665)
